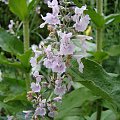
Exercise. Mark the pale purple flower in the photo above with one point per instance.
(54, 6)
(65, 37)
(9, 117)
(58, 65)
(27, 113)
(48, 63)
(81, 66)
(82, 24)
(51, 114)
(40, 111)
(57, 99)
(78, 13)
(60, 90)
(66, 46)
(35, 87)
(50, 19)
(33, 61)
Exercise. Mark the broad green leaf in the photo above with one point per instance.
(10, 43)
(19, 8)
(98, 80)
(73, 118)
(96, 18)
(114, 50)
(106, 115)
(72, 101)
(112, 18)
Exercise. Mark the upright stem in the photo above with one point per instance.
(99, 37)
(26, 34)
(99, 34)
(99, 110)
(26, 47)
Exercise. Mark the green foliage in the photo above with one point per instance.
(106, 115)
(72, 102)
(10, 43)
(19, 7)
(96, 79)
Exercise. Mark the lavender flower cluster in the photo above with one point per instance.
(55, 54)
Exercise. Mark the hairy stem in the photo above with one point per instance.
(99, 32)
(26, 48)
(99, 37)
(26, 35)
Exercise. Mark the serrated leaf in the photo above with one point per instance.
(10, 43)
(19, 8)
(98, 80)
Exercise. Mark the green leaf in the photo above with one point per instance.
(25, 59)
(106, 115)
(12, 97)
(19, 8)
(100, 56)
(114, 50)
(96, 18)
(4, 61)
(10, 43)
(112, 18)
(98, 80)
(72, 101)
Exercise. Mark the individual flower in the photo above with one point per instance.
(9, 117)
(35, 87)
(66, 46)
(27, 113)
(50, 19)
(78, 13)
(58, 65)
(40, 111)
(82, 24)
(54, 6)
(33, 61)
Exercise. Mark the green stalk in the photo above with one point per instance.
(26, 48)
(99, 38)
(99, 32)
(26, 35)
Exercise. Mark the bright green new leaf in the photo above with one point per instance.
(19, 8)
(10, 43)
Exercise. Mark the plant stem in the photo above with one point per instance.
(26, 48)
(26, 35)
(99, 110)
(99, 32)
(99, 37)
